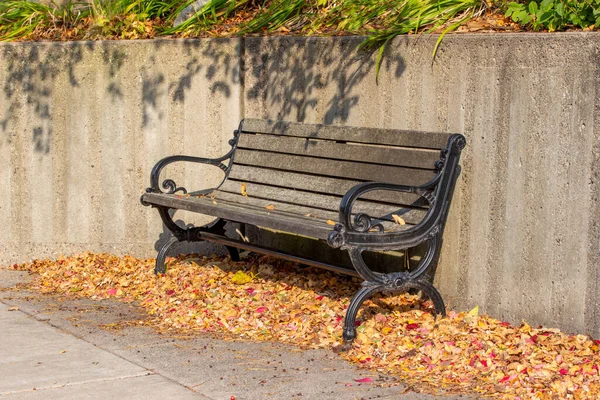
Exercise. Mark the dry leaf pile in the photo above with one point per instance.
(261, 299)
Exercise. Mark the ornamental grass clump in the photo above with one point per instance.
(135, 19)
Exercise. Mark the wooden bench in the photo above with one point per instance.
(351, 187)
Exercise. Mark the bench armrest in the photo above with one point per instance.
(169, 185)
(362, 229)
(356, 232)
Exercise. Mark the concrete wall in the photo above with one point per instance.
(523, 236)
(82, 124)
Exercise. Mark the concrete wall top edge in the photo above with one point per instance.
(91, 44)
(448, 37)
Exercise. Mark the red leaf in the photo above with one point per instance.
(563, 371)
(319, 297)
(111, 292)
(170, 292)
(506, 378)
(365, 360)
(250, 291)
(364, 380)
(411, 327)
(484, 363)
(261, 310)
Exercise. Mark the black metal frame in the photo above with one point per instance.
(356, 235)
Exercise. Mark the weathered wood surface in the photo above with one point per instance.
(350, 151)
(321, 184)
(395, 137)
(315, 201)
(281, 217)
(295, 175)
(335, 168)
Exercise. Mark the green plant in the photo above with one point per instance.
(211, 13)
(553, 15)
(18, 18)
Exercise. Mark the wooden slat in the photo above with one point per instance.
(406, 157)
(323, 184)
(336, 168)
(395, 137)
(316, 200)
(234, 212)
(252, 214)
(308, 214)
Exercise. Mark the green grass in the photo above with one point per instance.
(379, 20)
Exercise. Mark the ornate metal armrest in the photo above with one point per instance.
(169, 185)
(360, 229)
(438, 193)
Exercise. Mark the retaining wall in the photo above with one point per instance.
(81, 124)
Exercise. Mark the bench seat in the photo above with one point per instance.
(302, 220)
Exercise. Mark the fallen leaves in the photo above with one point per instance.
(398, 219)
(13, 308)
(243, 190)
(261, 299)
(270, 207)
(330, 222)
(241, 278)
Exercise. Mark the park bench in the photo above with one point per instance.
(358, 189)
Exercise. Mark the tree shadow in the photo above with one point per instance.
(31, 72)
(295, 76)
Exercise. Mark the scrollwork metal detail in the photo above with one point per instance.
(336, 238)
(171, 187)
(461, 142)
(364, 223)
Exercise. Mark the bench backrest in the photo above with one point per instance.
(314, 165)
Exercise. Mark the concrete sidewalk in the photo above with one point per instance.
(54, 348)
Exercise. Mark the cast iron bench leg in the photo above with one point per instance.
(369, 289)
(159, 267)
(397, 282)
(188, 235)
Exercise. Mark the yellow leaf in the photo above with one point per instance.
(241, 278)
(243, 191)
(398, 219)
(270, 207)
(330, 222)
(474, 312)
